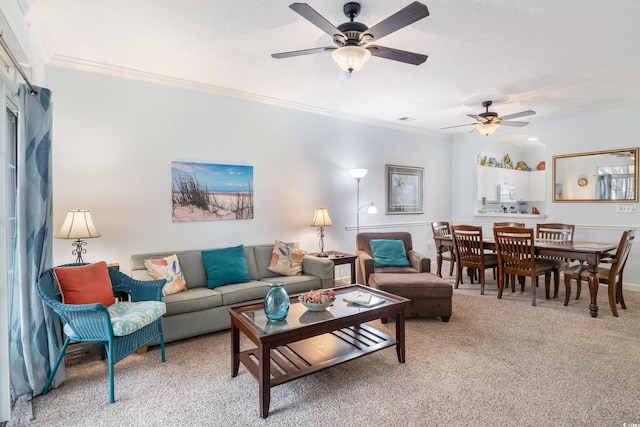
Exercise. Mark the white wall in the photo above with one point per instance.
(114, 140)
(591, 131)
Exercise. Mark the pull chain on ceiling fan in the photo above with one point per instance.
(489, 121)
(352, 38)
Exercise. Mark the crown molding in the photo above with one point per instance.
(132, 74)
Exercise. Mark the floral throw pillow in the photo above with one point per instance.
(286, 259)
(167, 268)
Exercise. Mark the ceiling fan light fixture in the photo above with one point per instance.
(351, 58)
(487, 128)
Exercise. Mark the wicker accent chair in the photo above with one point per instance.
(366, 266)
(612, 277)
(516, 257)
(92, 323)
(470, 253)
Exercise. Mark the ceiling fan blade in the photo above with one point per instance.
(518, 124)
(308, 13)
(477, 117)
(458, 126)
(406, 16)
(397, 55)
(520, 114)
(302, 52)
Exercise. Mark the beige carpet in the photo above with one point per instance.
(496, 363)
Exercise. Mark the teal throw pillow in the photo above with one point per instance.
(225, 266)
(389, 253)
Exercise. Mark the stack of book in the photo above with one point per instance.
(363, 299)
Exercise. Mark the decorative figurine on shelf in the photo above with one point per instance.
(507, 162)
(522, 166)
(541, 166)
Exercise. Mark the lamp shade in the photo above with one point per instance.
(321, 218)
(351, 58)
(358, 173)
(487, 128)
(77, 225)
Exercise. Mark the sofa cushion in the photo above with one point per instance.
(263, 255)
(250, 256)
(193, 269)
(127, 317)
(286, 259)
(194, 299)
(297, 284)
(389, 253)
(243, 292)
(86, 284)
(167, 268)
(225, 266)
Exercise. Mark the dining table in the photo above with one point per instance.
(590, 253)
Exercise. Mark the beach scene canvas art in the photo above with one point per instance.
(211, 192)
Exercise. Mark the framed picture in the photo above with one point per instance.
(405, 190)
(211, 192)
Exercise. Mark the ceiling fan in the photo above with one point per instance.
(352, 39)
(488, 122)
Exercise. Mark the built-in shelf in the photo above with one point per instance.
(509, 215)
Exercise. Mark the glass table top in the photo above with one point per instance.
(300, 316)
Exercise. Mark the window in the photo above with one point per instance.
(8, 191)
(615, 182)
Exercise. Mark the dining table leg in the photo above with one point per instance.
(593, 289)
(439, 249)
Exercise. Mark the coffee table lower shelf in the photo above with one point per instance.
(304, 357)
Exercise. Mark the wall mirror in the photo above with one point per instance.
(600, 176)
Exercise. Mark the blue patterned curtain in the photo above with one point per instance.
(35, 331)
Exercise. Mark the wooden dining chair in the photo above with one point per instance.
(508, 224)
(469, 252)
(612, 276)
(556, 232)
(442, 228)
(515, 247)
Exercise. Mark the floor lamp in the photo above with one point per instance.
(358, 174)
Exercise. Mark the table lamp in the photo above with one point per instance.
(78, 225)
(321, 219)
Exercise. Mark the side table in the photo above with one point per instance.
(340, 258)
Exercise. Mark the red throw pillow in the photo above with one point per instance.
(87, 284)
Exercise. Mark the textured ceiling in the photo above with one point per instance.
(554, 57)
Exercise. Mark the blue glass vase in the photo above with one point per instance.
(276, 303)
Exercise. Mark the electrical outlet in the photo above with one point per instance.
(626, 209)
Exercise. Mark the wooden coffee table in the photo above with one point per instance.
(309, 341)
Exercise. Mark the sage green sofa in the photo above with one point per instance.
(200, 310)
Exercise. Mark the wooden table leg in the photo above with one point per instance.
(593, 290)
(265, 380)
(353, 272)
(235, 349)
(400, 336)
(439, 261)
